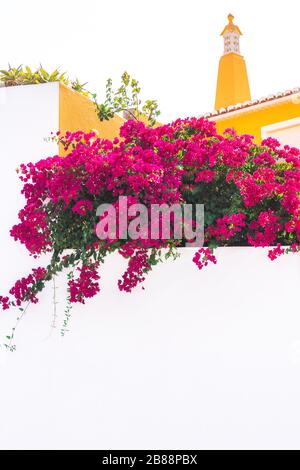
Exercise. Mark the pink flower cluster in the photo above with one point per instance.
(82, 207)
(265, 229)
(22, 290)
(250, 193)
(275, 252)
(137, 267)
(86, 285)
(227, 226)
(204, 256)
(205, 176)
(4, 301)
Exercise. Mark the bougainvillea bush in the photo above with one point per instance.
(251, 196)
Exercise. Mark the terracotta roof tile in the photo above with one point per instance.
(248, 104)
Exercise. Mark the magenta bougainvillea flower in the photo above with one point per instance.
(203, 257)
(86, 285)
(82, 207)
(250, 193)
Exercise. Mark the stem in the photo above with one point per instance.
(9, 345)
(53, 325)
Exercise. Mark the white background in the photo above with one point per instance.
(206, 359)
(172, 47)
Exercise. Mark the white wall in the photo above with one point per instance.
(206, 359)
(28, 115)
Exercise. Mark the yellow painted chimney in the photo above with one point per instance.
(232, 85)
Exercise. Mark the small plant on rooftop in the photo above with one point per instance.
(21, 75)
(126, 99)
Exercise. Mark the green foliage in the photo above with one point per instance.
(126, 98)
(79, 87)
(8, 343)
(12, 76)
(68, 309)
(150, 109)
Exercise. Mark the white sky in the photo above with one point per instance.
(172, 47)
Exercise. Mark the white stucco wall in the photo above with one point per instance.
(206, 359)
(28, 115)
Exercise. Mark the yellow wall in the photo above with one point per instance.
(251, 120)
(77, 112)
(232, 84)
